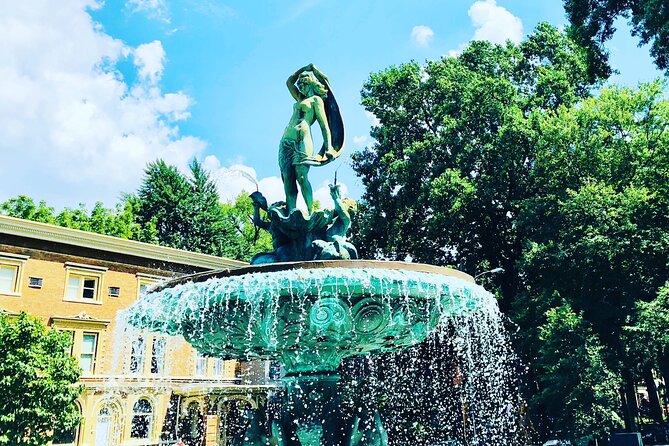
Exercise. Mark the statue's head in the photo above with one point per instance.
(309, 85)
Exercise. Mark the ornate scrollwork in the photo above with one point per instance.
(327, 311)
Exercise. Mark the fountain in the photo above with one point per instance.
(311, 302)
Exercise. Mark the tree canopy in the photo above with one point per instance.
(503, 156)
(593, 23)
(37, 382)
(455, 149)
(169, 208)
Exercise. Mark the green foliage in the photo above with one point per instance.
(25, 208)
(602, 177)
(598, 226)
(653, 316)
(592, 24)
(578, 389)
(500, 157)
(247, 240)
(187, 214)
(37, 382)
(118, 222)
(455, 151)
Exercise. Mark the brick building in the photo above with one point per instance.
(140, 388)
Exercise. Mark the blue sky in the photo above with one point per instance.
(92, 91)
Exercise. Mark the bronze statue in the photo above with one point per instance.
(314, 102)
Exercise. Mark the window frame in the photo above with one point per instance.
(16, 262)
(85, 272)
(158, 357)
(137, 414)
(79, 326)
(146, 280)
(93, 354)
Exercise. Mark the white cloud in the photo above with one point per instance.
(360, 141)
(495, 23)
(236, 178)
(322, 194)
(155, 9)
(422, 35)
(149, 58)
(373, 119)
(73, 129)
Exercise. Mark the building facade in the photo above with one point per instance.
(140, 388)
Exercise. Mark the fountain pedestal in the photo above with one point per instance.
(313, 414)
(309, 316)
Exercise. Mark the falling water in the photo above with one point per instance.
(428, 350)
(239, 172)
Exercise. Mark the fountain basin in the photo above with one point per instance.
(308, 315)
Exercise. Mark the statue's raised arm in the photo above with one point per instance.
(315, 102)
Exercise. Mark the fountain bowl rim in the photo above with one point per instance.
(313, 264)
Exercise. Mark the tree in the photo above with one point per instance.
(578, 389)
(592, 24)
(118, 222)
(187, 214)
(455, 148)
(24, 207)
(599, 225)
(247, 239)
(37, 382)
(160, 202)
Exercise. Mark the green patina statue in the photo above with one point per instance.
(314, 102)
(318, 235)
(321, 236)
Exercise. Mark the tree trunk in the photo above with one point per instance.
(653, 398)
(663, 365)
(630, 408)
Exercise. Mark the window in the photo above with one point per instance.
(114, 291)
(218, 367)
(36, 282)
(145, 282)
(11, 269)
(87, 354)
(87, 334)
(9, 275)
(142, 415)
(137, 355)
(83, 283)
(81, 287)
(158, 355)
(200, 364)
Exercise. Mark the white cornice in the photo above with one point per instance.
(75, 237)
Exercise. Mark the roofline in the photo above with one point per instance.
(76, 237)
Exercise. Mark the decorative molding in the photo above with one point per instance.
(12, 256)
(83, 316)
(82, 266)
(150, 277)
(75, 237)
(82, 319)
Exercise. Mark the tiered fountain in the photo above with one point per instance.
(311, 302)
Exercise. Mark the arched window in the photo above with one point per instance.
(142, 417)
